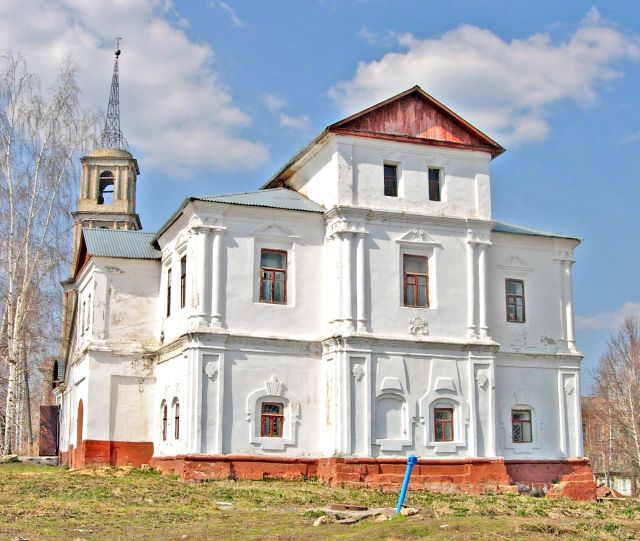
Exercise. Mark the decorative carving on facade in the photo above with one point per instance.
(358, 372)
(418, 325)
(211, 370)
(569, 386)
(515, 263)
(417, 236)
(274, 230)
(274, 387)
(482, 380)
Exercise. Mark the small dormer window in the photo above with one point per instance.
(107, 183)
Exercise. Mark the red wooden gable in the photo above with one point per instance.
(415, 116)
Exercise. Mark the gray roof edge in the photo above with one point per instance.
(513, 229)
(109, 243)
(172, 218)
(236, 199)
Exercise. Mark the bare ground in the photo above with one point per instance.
(42, 503)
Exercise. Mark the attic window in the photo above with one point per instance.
(434, 184)
(390, 180)
(107, 182)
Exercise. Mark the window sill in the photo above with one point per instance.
(264, 303)
(446, 446)
(267, 443)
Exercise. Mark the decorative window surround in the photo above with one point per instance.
(408, 414)
(273, 391)
(416, 242)
(445, 393)
(274, 237)
(505, 423)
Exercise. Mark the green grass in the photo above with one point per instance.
(38, 503)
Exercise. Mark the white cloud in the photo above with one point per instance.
(176, 111)
(294, 122)
(367, 35)
(609, 320)
(505, 88)
(274, 103)
(237, 21)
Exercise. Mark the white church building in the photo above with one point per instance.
(361, 306)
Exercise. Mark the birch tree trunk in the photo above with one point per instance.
(618, 383)
(41, 134)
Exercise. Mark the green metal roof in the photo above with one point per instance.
(279, 198)
(503, 227)
(120, 243)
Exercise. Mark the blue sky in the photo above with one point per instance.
(217, 95)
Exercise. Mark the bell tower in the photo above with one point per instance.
(108, 179)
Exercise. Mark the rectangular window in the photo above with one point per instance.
(176, 421)
(168, 292)
(515, 300)
(443, 424)
(390, 180)
(273, 276)
(272, 420)
(81, 318)
(164, 422)
(183, 281)
(434, 184)
(416, 281)
(521, 426)
(87, 321)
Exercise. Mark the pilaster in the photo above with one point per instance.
(216, 271)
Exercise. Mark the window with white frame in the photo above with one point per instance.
(273, 276)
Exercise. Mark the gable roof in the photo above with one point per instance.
(413, 116)
(417, 117)
(120, 243)
(277, 198)
(503, 227)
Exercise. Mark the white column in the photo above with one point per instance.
(347, 286)
(567, 289)
(216, 271)
(360, 284)
(482, 286)
(471, 290)
(197, 265)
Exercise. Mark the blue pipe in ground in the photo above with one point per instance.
(412, 460)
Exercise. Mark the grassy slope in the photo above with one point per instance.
(38, 503)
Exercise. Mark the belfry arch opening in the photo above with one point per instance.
(106, 188)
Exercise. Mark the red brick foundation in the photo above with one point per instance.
(570, 478)
(463, 475)
(92, 453)
(257, 468)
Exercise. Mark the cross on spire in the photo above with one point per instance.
(111, 135)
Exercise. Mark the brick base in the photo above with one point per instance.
(570, 478)
(92, 453)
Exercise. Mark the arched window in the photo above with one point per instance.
(105, 194)
(165, 418)
(176, 419)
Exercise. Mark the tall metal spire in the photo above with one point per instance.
(111, 135)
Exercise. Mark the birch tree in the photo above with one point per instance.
(41, 134)
(617, 381)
